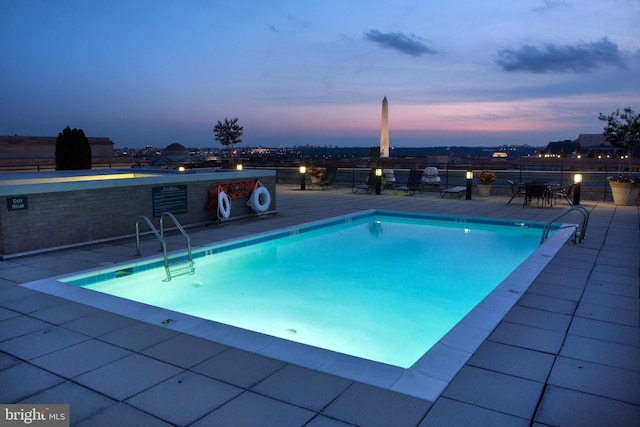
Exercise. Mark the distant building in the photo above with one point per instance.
(586, 145)
(595, 145)
(592, 140)
(41, 150)
(566, 148)
(174, 155)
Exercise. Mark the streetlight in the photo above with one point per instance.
(469, 182)
(577, 183)
(303, 171)
(378, 180)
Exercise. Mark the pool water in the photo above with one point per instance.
(384, 286)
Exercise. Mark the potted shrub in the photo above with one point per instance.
(315, 173)
(623, 132)
(624, 189)
(486, 178)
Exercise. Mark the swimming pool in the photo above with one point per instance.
(390, 263)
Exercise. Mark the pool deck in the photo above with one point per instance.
(568, 352)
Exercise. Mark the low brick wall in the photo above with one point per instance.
(109, 209)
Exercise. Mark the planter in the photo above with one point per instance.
(624, 193)
(483, 190)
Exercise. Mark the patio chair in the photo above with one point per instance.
(516, 191)
(328, 180)
(538, 191)
(369, 185)
(562, 193)
(412, 184)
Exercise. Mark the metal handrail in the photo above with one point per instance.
(179, 227)
(583, 225)
(163, 243)
(158, 235)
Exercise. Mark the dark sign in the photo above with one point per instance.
(17, 203)
(172, 198)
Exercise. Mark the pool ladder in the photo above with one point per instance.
(177, 268)
(578, 235)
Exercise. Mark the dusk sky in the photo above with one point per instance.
(296, 72)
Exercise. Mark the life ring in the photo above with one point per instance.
(224, 205)
(260, 199)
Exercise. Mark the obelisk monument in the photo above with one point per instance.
(384, 129)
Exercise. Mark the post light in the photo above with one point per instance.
(469, 183)
(239, 167)
(181, 169)
(577, 183)
(303, 171)
(378, 180)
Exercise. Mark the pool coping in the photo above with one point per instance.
(425, 379)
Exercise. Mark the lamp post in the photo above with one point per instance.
(378, 180)
(577, 183)
(239, 167)
(469, 183)
(303, 171)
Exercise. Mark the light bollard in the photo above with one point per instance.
(469, 184)
(378, 180)
(577, 183)
(303, 172)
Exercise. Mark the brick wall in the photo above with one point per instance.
(73, 217)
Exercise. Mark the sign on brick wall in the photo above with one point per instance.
(170, 198)
(17, 203)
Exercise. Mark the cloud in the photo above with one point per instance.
(580, 57)
(548, 5)
(409, 44)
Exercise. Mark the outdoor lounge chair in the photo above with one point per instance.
(328, 180)
(412, 184)
(369, 185)
(390, 177)
(459, 190)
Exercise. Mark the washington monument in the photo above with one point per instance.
(384, 129)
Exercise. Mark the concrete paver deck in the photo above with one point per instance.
(567, 354)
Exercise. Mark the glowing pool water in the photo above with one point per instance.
(401, 264)
(383, 286)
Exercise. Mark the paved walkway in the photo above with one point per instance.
(568, 353)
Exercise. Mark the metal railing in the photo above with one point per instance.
(160, 235)
(578, 235)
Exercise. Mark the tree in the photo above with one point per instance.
(228, 133)
(374, 155)
(72, 150)
(623, 131)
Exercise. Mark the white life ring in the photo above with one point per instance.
(224, 205)
(260, 200)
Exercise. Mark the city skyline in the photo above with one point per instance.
(297, 73)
